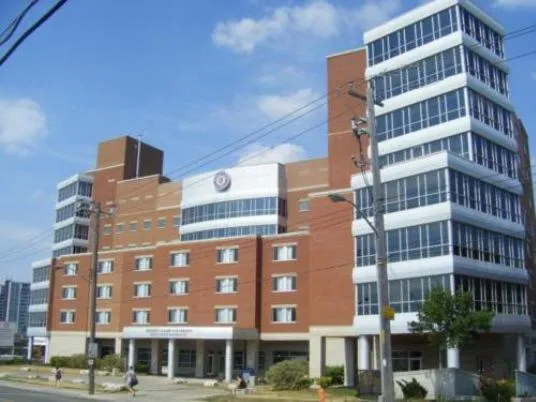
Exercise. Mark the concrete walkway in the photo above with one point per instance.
(150, 388)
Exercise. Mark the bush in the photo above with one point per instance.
(412, 389)
(336, 373)
(141, 368)
(110, 362)
(324, 382)
(78, 361)
(59, 361)
(497, 390)
(289, 375)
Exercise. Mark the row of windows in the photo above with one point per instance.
(419, 74)
(76, 188)
(483, 34)
(147, 224)
(67, 250)
(457, 144)
(39, 296)
(409, 243)
(405, 295)
(490, 295)
(428, 113)
(488, 112)
(484, 245)
(41, 274)
(72, 231)
(69, 211)
(494, 156)
(486, 71)
(234, 209)
(255, 230)
(412, 36)
(37, 319)
(481, 196)
(410, 192)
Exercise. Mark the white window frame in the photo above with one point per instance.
(119, 225)
(103, 313)
(230, 311)
(176, 310)
(68, 313)
(288, 278)
(138, 265)
(289, 310)
(223, 284)
(103, 263)
(70, 264)
(184, 260)
(278, 253)
(68, 287)
(136, 311)
(186, 281)
(303, 202)
(107, 230)
(223, 255)
(159, 221)
(142, 285)
(147, 225)
(109, 293)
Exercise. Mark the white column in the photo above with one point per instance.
(521, 353)
(199, 358)
(118, 346)
(317, 355)
(47, 350)
(349, 361)
(30, 347)
(453, 358)
(228, 360)
(376, 352)
(363, 349)
(171, 358)
(154, 356)
(131, 352)
(252, 355)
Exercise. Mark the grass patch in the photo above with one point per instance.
(45, 383)
(263, 394)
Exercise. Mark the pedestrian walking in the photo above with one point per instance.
(131, 381)
(58, 375)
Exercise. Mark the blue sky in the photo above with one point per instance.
(188, 76)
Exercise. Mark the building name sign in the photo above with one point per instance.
(178, 332)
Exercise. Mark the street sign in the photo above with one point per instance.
(90, 362)
(93, 350)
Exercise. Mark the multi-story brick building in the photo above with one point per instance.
(250, 265)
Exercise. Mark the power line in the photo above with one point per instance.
(30, 30)
(12, 27)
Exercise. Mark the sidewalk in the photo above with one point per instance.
(150, 388)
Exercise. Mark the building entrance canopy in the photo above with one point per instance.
(222, 333)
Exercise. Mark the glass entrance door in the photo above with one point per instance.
(210, 363)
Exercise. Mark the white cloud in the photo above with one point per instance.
(277, 106)
(256, 154)
(319, 18)
(22, 124)
(515, 3)
(281, 74)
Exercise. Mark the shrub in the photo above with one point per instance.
(497, 390)
(78, 361)
(336, 373)
(141, 368)
(412, 389)
(59, 361)
(289, 375)
(110, 362)
(324, 382)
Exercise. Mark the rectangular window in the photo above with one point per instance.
(303, 205)
(177, 315)
(142, 290)
(105, 267)
(179, 287)
(41, 274)
(39, 296)
(103, 317)
(104, 291)
(225, 315)
(227, 285)
(133, 226)
(146, 225)
(67, 317)
(141, 316)
(407, 360)
(227, 255)
(180, 259)
(284, 253)
(162, 223)
(119, 228)
(70, 269)
(284, 283)
(176, 221)
(284, 315)
(107, 230)
(187, 359)
(144, 263)
(68, 292)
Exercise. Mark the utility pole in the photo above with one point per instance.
(385, 311)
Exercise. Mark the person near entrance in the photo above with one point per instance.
(131, 380)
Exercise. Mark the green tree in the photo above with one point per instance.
(449, 320)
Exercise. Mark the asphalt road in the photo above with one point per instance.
(8, 394)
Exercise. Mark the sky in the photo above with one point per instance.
(190, 77)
